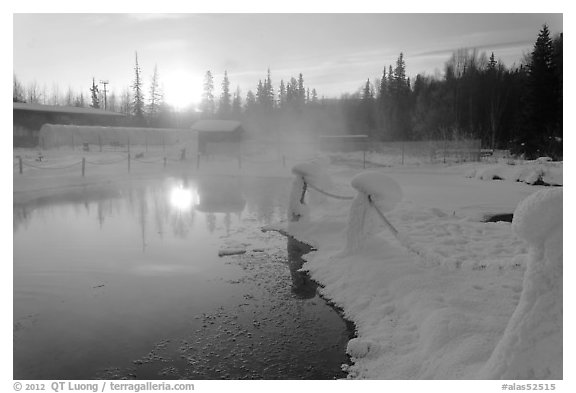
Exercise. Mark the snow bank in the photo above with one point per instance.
(531, 347)
(531, 172)
(413, 320)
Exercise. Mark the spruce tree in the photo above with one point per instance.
(94, 91)
(301, 90)
(314, 96)
(541, 116)
(138, 96)
(250, 101)
(156, 97)
(207, 105)
(225, 106)
(237, 104)
(282, 95)
(269, 92)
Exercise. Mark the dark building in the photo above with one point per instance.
(29, 118)
(212, 133)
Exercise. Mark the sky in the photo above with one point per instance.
(336, 53)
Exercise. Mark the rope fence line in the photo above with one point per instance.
(312, 186)
(106, 162)
(50, 167)
(181, 157)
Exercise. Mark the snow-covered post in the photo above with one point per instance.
(83, 166)
(128, 162)
(100, 143)
(20, 164)
(531, 346)
(377, 193)
(305, 172)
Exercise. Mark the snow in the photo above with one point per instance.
(529, 172)
(531, 347)
(442, 320)
(383, 190)
(306, 172)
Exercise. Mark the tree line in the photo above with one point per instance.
(517, 108)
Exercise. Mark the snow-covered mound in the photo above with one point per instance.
(541, 171)
(531, 347)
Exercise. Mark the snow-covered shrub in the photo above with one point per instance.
(531, 347)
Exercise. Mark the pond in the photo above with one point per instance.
(124, 281)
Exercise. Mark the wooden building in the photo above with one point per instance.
(218, 136)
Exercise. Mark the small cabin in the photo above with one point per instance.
(218, 136)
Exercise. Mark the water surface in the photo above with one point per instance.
(124, 281)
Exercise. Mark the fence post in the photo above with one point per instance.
(402, 152)
(83, 166)
(128, 162)
(364, 160)
(20, 164)
(100, 143)
(183, 154)
(146, 141)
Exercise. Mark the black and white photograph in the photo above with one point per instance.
(287, 196)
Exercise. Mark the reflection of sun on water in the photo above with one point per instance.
(184, 199)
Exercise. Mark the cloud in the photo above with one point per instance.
(448, 50)
(154, 17)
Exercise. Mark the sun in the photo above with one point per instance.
(182, 88)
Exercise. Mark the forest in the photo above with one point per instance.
(516, 108)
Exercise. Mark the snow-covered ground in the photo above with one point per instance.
(448, 297)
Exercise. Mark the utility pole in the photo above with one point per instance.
(104, 83)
